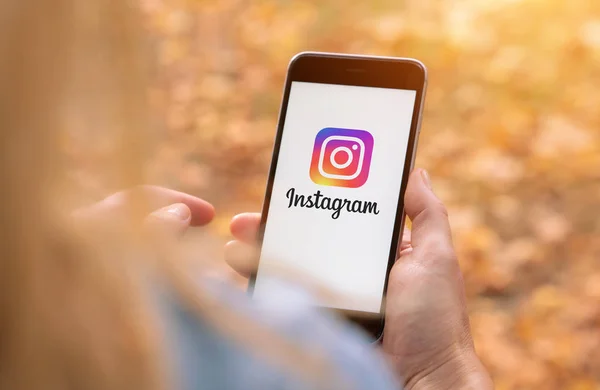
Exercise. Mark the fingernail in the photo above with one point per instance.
(180, 210)
(426, 179)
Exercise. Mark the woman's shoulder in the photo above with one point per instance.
(206, 357)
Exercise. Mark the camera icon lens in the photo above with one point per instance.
(341, 157)
(348, 159)
(341, 152)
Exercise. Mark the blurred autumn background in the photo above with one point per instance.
(511, 137)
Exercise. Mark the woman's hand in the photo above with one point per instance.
(166, 209)
(427, 337)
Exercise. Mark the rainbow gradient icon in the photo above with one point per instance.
(341, 157)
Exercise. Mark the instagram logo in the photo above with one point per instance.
(341, 157)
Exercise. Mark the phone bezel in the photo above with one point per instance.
(357, 70)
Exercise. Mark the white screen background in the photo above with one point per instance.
(349, 255)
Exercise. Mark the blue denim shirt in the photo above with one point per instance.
(205, 359)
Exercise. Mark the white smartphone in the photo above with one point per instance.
(333, 209)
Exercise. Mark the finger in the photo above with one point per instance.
(244, 227)
(202, 212)
(428, 214)
(242, 257)
(155, 197)
(174, 219)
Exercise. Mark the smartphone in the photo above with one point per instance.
(333, 210)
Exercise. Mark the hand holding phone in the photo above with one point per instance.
(350, 247)
(345, 144)
(424, 287)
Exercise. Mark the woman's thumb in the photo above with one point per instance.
(427, 213)
(173, 219)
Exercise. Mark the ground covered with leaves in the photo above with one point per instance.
(511, 138)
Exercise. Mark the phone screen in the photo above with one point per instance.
(335, 193)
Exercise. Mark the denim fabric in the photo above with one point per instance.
(205, 358)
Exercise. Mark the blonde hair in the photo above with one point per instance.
(74, 312)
